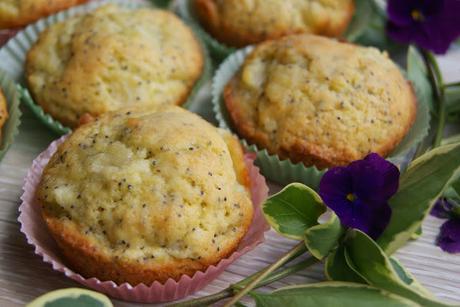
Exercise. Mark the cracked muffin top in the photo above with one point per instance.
(110, 58)
(319, 101)
(138, 196)
(239, 23)
(18, 13)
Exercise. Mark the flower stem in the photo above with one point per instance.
(437, 83)
(286, 272)
(265, 273)
(454, 84)
(232, 289)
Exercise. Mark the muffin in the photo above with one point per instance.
(112, 58)
(3, 112)
(239, 23)
(318, 101)
(18, 13)
(139, 196)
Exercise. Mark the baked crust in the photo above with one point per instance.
(166, 245)
(3, 112)
(22, 12)
(112, 58)
(239, 23)
(325, 103)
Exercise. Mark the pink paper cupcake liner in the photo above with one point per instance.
(36, 232)
(6, 34)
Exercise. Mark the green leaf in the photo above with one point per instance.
(83, 300)
(71, 297)
(451, 139)
(372, 264)
(364, 11)
(336, 267)
(456, 187)
(417, 234)
(451, 192)
(374, 32)
(293, 210)
(420, 186)
(407, 277)
(321, 239)
(331, 294)
(161, 3)
(417, 73)
(452, 97)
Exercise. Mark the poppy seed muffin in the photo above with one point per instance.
(239, 23)
(18, 13)
(110, 58)
(3, 112)
(138, 196)
(318, 101)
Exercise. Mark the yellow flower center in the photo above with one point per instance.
(417, 15)
(351, 197)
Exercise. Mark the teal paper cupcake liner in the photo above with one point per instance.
(11, 127)
(13, 55)
(284, 171)
(219, 51)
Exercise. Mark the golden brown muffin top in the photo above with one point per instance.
(319, 101)
(239, 23)
(110, 58)
(145, 186)
(17, 13)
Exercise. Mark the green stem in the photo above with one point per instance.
(265, 273)
(286, 272)
(454, 84)
(250, 278)
(437, 83)
(231, 290)
(205, 300)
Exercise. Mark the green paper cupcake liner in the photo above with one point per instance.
(219, 51)
(11, 127)
(284, 171)
(13, 55)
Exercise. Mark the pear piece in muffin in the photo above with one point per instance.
(239, 23)
(318, 101)
(111, 58)
(139, 196)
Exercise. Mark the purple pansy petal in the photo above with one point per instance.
(399, 12)
(434, 38)
(371, 218)
(401, 34)
(449, 237)
(441, 208)
(334, 188)
(380, 218)
(374, 178)
(435, 31)
(359, 193)
(335, 185)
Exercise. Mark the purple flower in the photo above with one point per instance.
(430, 24)
(449, 237)
(442, 208)
(359, 193)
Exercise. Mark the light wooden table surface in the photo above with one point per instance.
(23, 275)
